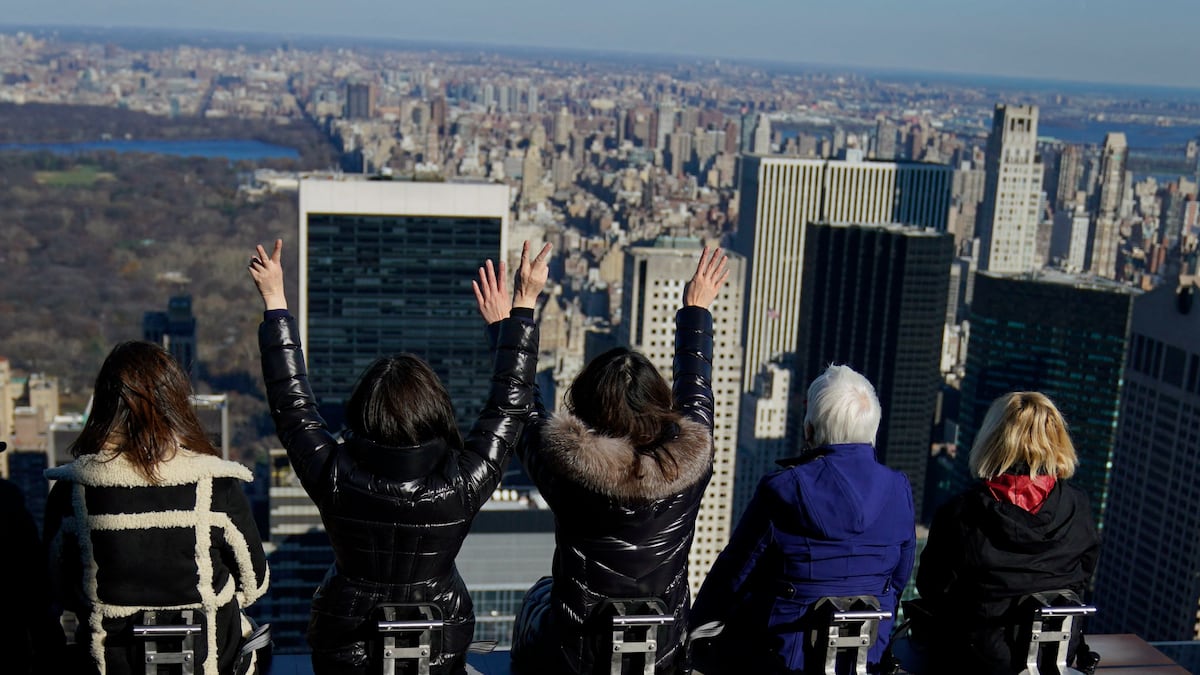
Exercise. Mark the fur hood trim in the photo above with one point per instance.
(611, 466)
(186, 467)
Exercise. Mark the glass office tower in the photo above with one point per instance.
(387, 267)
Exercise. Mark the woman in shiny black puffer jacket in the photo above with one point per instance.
(625, 510)
(396, 516)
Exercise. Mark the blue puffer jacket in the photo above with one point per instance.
(834, 522)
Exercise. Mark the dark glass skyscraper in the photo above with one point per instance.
(175, 330)
(387, 267)
(1062, 335)
(875, 299)
(1147, 581)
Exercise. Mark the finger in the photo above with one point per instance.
(493, 287)
(483, 282)
(262, 252)
(478, 294)
(700, 263)
(722, 266)
(713, 261)
(721, 280)
(543, 254)
(524, 253)
(278, 252)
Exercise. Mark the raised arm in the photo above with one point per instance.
(514, 338)
(694, 339)
(300, 428)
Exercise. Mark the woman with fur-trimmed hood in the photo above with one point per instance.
(149, 517)
(624, 469)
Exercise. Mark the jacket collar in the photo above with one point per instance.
(397, 463)
(841, 449)
(106, 469)
(613, 468)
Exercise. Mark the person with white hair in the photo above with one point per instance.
(831, 522)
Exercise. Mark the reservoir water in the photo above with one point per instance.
(231, 149)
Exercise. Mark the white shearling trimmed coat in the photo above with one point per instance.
(120, 545)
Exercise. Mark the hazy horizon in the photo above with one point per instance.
(1082, 41)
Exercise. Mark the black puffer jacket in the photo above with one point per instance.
(984, 554)
(396, 517)
(623, 530)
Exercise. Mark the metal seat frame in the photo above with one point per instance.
(154, 633)
(1051, 630)
(635, 633)
(851, 626)
(408, 632)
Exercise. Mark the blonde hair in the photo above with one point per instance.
(1023, 427)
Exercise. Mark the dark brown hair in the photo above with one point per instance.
(142, 409)
(621, 394)
(400, 401)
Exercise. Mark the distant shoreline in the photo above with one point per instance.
(159, 37)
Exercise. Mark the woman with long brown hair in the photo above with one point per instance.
(150, 518)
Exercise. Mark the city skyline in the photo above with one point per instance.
(935, 37)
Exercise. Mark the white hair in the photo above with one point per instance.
(842, 407)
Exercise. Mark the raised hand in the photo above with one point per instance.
(267, 273)
(710, 276)
(531, 277)
(491, 293)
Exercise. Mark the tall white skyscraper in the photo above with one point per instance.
(1008, 220)
(762, 136)
(780, 198)
(1107, 211)
(655, 277)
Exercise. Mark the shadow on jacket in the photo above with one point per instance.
(623, 529)
(984, 554)
(834, 522)
(396, 516)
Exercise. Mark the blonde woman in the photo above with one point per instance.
(1023, 529)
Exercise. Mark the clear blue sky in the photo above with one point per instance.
(1116, 41)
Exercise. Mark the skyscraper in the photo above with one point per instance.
(779, 198)
(1008, 219)
(1147, 582)
(1107, 208)
(875, 299)
(564, 124)
(762, 136)
(1070, 175)
(655, 277)
(360, 101)
(387, 267)
(175, 330)
(1063, 335)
